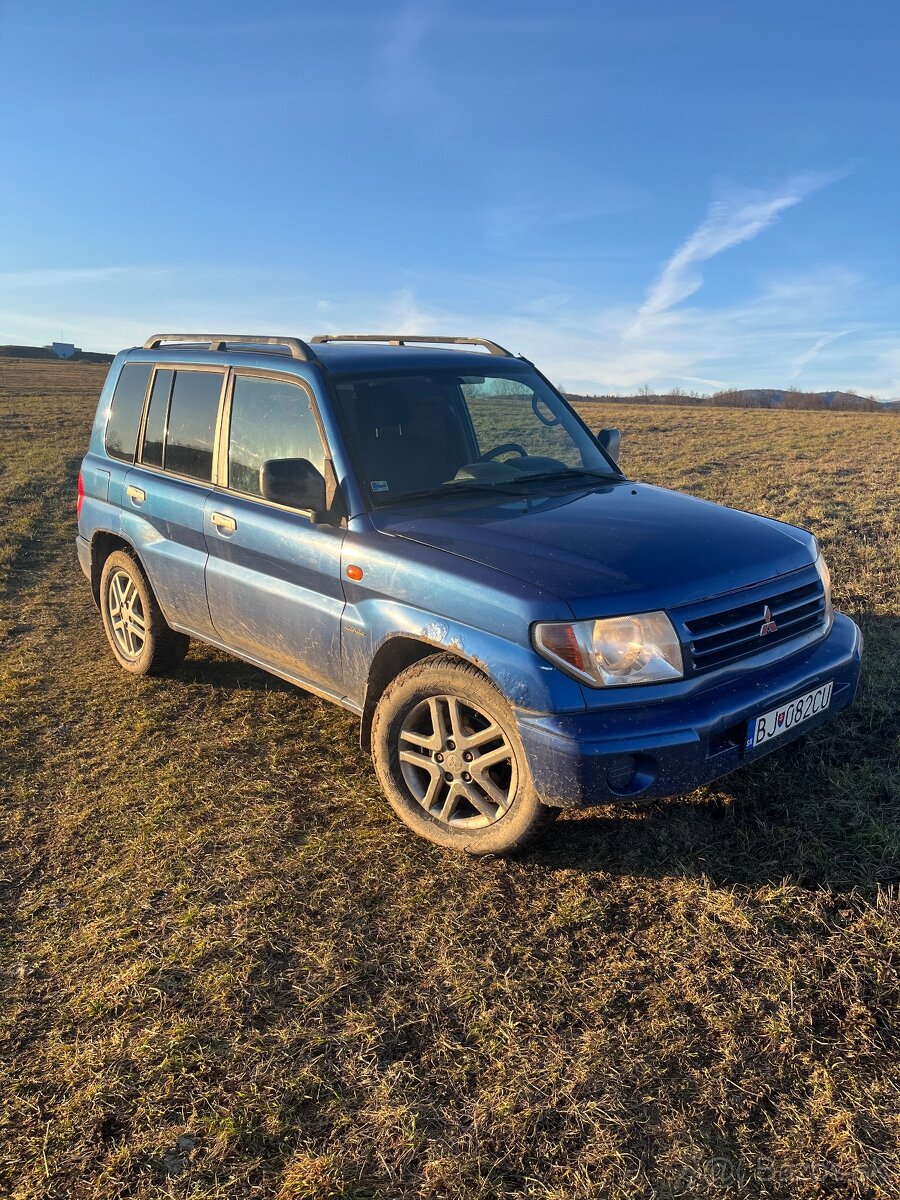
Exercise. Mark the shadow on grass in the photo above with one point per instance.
(737, 840)
(756, 829)
(233, 674)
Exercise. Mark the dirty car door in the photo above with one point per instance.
(273, 577)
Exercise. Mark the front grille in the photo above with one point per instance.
(731, 633)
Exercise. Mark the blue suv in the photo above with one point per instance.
(423, 531)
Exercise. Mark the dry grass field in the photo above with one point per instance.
(227, 971)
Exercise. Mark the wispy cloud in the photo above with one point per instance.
(730, 221)
(404, 83)
(803, 327)
(804, 359)
(508, 224)
(54, 277)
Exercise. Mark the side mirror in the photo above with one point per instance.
(294, 482)
(611, 441)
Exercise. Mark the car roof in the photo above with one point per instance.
(367, 356)
(337, 357)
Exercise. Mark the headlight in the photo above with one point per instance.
(614, 651)
(825, 576)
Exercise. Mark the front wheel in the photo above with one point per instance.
(451, 762)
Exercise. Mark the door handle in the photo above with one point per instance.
(221, 521)
(138, 495)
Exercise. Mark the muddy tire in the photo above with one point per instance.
(451, 762)
(135, 628)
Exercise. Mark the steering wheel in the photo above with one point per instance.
(505, 448)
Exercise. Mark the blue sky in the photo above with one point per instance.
(697, 194)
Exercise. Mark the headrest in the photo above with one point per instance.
(383, 405)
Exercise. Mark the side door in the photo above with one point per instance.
(273, 577)
(164, 494)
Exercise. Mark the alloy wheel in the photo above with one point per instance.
(126, 615)
(457, 762)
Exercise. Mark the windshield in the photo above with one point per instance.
(418, 434)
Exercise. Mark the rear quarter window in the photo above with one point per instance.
(155, 426)
(191, 427)
(125, 414)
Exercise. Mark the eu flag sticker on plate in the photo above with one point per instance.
(379, 485)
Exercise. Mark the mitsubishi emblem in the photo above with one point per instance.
(768, 625)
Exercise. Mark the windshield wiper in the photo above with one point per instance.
(570, 473)
(465, 487)
(505, 487)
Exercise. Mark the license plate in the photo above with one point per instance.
(787, 716)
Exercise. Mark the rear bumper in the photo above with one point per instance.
(83, 546)
(669, 748)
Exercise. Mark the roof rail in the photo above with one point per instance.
(400, 339)
(218, 341)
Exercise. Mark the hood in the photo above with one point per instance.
(621, 547)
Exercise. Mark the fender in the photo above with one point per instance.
(410, 591)
(103, 543)
(517, 671)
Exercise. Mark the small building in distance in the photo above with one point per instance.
(63, 349)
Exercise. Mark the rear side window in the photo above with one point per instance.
(127, 407)
(155, 427)
(269, 419)
(191, 427)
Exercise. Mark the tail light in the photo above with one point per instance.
(80, 500)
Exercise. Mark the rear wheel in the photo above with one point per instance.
(141, 640)
(450, 760)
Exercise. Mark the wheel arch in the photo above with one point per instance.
(103, 544)
(392, 657)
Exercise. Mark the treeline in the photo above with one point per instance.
(790, 398)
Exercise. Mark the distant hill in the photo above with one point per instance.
(789, 398)
(46, 352)
(757, 398)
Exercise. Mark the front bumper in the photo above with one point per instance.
(672, 746)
